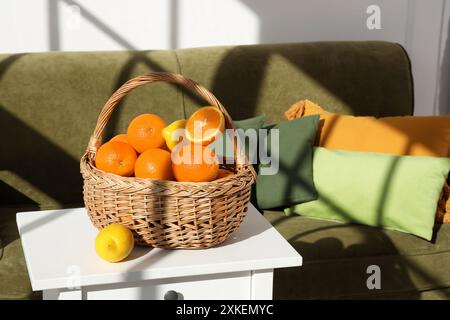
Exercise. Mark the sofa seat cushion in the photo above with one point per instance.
(14, 279)
(336, 257)
(15, 283)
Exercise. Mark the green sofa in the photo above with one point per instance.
(49, 103)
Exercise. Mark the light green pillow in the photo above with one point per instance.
(394, 192)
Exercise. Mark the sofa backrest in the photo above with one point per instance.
(49, 102)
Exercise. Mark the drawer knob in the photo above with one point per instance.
(171, 295)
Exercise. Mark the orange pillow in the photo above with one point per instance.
(407, 135)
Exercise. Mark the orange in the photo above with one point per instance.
(154, 164)
(121, 137)
(205, 125)
(116, 157)
(223, 173)
(145, 132)
(194, 163)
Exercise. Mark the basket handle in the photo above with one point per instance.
(110, 105)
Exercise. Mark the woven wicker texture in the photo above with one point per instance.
(443, 208)
(166, 214)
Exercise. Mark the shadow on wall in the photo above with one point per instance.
(276, 20)
(444, 94)
(54, 20)
(53, 25)
(55, 34)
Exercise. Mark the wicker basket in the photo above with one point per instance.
(443, 207)
(166, 214)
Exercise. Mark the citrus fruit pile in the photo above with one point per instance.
(178, 151)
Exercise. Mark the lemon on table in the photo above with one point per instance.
(174, 133)
(114, 243)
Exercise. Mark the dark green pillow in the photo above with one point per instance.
(224, 146)
(293, 183)
(251, 123)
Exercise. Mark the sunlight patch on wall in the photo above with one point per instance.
(207, 24)
(120, 26)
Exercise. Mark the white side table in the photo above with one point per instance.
(61, 260)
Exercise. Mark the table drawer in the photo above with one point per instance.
(206, 287)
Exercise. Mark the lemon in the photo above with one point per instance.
(114, 243)
(174, 133)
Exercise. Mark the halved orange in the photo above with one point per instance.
(205, 125)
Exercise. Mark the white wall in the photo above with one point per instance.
(442, 105)
(421, 26)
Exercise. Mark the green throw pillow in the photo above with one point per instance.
(394, 192)
(293, 181)
(251, 123)
(223, 146)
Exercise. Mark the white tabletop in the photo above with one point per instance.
(59, 244)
